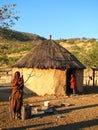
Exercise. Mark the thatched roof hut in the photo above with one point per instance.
(54, 65)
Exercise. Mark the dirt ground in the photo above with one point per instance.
(79, 112)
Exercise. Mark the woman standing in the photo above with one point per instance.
(16, 101)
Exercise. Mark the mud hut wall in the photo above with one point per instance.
(60, 82)
(39, 81)
(96, 78)
(42, 81)
(79, 80)
(88, 77)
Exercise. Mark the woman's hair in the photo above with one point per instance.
(17, 74)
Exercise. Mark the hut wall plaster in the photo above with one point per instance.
(43, 81)
(59, 82)
(79, 80)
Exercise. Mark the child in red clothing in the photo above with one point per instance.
(73, 83)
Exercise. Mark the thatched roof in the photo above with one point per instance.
(49, 54)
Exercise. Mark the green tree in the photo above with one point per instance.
(8, 16)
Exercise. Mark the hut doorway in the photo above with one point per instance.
(68, 78)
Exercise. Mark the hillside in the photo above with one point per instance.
(20, 36)
(86, 50)
(14, 45)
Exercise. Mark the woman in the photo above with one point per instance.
(16, 101)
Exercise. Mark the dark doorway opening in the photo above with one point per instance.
(68, 78)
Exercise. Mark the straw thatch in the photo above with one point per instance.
(49, 54)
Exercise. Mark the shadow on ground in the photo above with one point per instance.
(5, 93)
(76, 126)
(90, 90)
(71, 126)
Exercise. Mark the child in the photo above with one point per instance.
(73, 83)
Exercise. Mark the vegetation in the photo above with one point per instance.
(88, 56)
(14, 45)
(86, 50)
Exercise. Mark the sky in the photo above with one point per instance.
(63, 19)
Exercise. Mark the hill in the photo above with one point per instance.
(14, 45)
(86, 50)
(21, 36)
